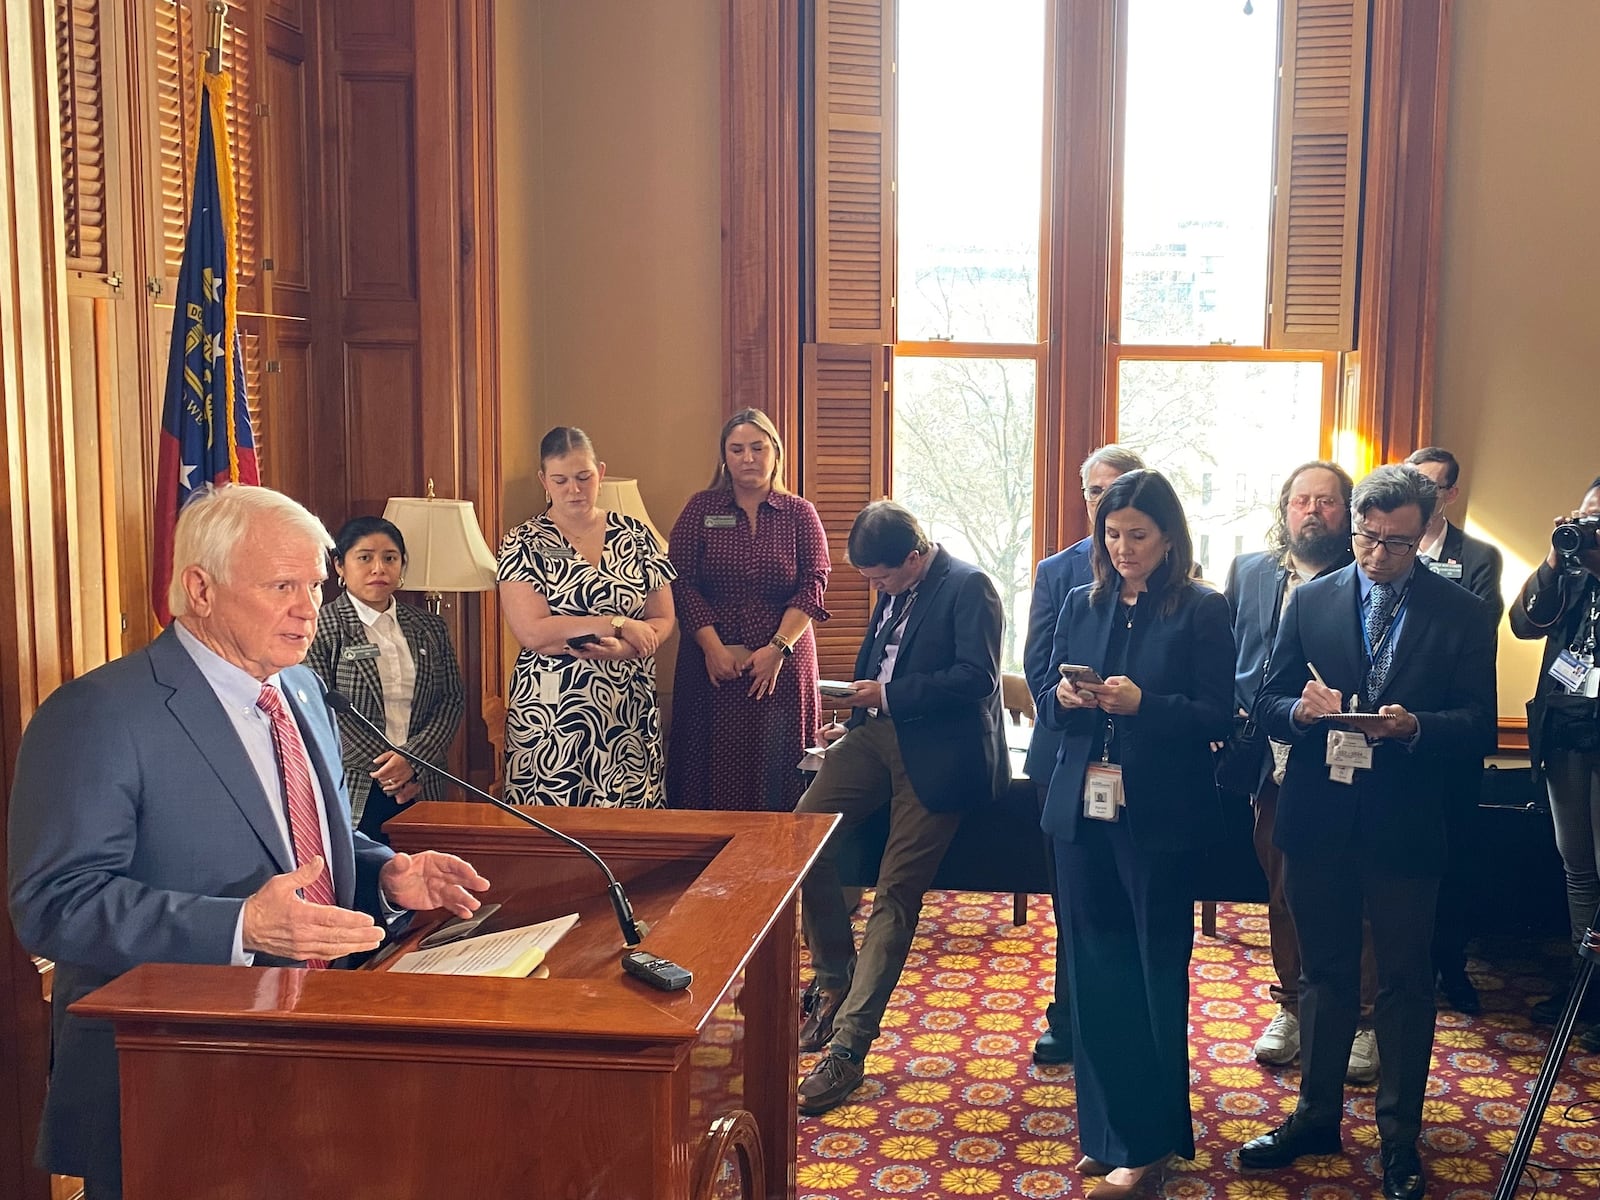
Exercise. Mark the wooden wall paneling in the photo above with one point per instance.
(480, 629)
(290, 169)
(761, 211)
(1402, 221)
(286, 383)
(383, 419)
(1078, 386)
(287, 13)
(36, 644)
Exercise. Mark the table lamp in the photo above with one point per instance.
(444, 547)
(621, 494)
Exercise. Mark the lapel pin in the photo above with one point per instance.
(301, 693)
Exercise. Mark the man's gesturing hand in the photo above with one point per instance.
(278, 922)
(432, 880)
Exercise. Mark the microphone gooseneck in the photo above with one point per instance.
(340, 703)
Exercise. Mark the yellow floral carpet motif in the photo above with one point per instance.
(952, 1104)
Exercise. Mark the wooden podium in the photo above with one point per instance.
(240, 1082)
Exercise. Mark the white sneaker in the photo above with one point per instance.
(1281, 1041)
(1363, 1066)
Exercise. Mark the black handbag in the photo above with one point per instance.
(1572, 723)
(1241, 759)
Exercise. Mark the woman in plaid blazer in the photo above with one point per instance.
(396, 665)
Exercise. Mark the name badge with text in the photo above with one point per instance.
(1572, 671)
(1348, 748)
(359, 653)
(722, 521)
(561, 552)
(1450, 570)
(1102, 792)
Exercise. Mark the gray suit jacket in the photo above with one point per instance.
(435, 697)
(138, 829)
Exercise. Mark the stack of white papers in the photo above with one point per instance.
(512, 953)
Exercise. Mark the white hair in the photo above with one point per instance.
(218, 519)
(1119, 458)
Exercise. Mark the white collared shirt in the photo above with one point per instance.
(237, 691)
(397, 670)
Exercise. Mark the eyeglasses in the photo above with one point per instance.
(1325, 503)
(1093, 492)
(1399, 547)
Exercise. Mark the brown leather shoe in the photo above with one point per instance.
(836, 1075)
(817, 1028)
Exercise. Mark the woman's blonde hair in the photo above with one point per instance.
(749, 416)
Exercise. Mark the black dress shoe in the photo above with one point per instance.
(1052, 1049)
(1402, 1174)
(1459, 993)
(1289, 1141)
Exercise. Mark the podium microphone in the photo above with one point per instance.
(631, 934)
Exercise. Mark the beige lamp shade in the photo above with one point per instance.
(445, 549)
(621, 494)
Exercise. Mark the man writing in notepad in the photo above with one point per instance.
(186, 804)
(1360, 813)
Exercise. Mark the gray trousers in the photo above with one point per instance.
(862, 772)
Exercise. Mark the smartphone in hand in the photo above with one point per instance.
(1077, 675)
(836, 689)
(582, 640)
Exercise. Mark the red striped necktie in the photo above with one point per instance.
(294, 771)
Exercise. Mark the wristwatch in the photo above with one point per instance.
(616, 625)
(788, 650)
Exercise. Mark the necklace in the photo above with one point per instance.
(1127, 612)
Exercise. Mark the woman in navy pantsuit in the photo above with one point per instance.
(1164, 646)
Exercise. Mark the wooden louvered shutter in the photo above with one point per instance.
(79, 64)
(845, 403)
(854, 181)
(173, 65)
(846, 460)
(1316, 208)
(239, 55)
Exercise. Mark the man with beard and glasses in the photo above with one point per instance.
(1310, 538)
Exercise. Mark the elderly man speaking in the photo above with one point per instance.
(186, 804)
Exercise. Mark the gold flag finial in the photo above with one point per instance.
(217, 17)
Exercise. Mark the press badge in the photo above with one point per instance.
(1450, 570)
(549, 687)
(360, 653)
(1350, 749)
(1102, 792)
(1572, 672)
(722, 521)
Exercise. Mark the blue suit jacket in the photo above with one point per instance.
(138, 829)
(944, 696)
(1054, 578)
(1443, 673)
(1183, 664)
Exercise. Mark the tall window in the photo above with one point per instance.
(1197, 395)
(971, 105)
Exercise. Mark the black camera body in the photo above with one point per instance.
(1572, 538)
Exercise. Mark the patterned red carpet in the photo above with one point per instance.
(953, 1106)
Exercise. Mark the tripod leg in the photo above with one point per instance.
(1517, 1159)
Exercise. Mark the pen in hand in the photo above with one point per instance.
(1316, 674)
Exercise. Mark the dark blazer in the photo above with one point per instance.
(138, 829)
(1183, 664)
(1255, 591)
(1443, 674)
(1481, 567)
(944, 696)
(1052, 580)
(1550, 606)
(435, 699)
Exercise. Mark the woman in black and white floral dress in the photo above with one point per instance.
(582, 727)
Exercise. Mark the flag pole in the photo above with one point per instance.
(217, 14)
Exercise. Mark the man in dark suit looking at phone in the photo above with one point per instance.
(1360, 816)
(926, 737)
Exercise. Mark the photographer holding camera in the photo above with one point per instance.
(1561, 603)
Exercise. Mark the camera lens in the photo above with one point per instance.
(1574, 537)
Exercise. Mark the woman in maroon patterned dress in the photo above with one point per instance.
(752, 565)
